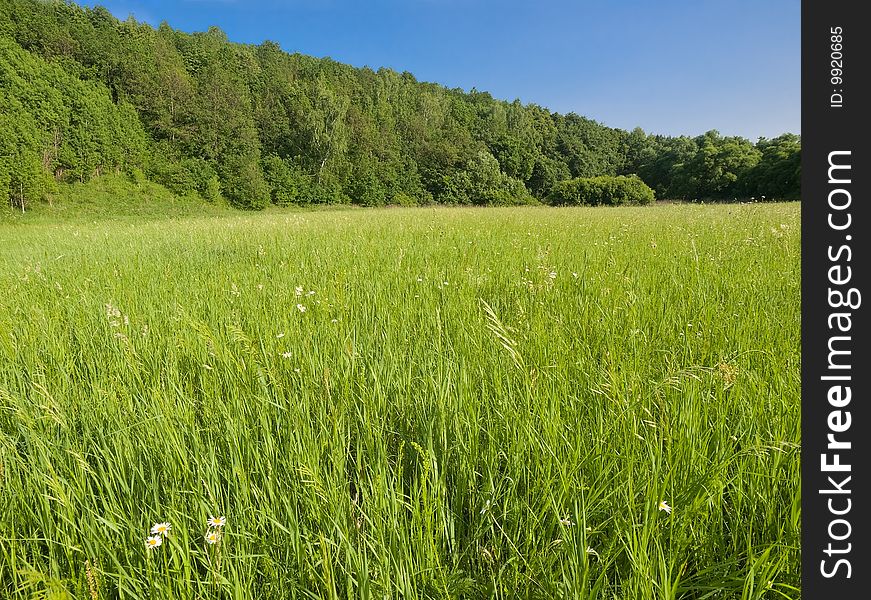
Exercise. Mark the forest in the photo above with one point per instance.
(83, 94)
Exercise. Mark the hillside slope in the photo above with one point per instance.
(82, 93)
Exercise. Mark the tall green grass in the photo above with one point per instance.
(116, 196)
(474, 403)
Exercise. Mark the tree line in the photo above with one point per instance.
(83, 93)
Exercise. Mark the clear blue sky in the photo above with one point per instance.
(670, 66)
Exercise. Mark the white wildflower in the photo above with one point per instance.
(153, 542)
(216, 521)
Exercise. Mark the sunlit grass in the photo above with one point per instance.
(416, 403)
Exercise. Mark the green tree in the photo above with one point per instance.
(719, 164)
(777, 175)
(197, 113)
(284, 186)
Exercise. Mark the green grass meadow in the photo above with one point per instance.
(402, 403)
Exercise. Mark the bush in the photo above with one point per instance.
(282, 180)
(212, 189)
(243, 183)
(327, 190)
(482, 182)
(608, 190)
(403, 199)
(546, 173)
(367, 189)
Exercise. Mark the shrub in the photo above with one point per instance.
(243, 183)
(281, 180)
(367, 189)
(212, 189)
(605, 189)
(403, 199)
(482, 182)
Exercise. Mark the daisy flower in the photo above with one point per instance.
(153, 542)
(213, 536)
(216, 521)
(664, 506)
(160, 529)
(565, 521)
(300, 308)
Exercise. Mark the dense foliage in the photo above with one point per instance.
(602, 190)
(713, 166)
(82, 93)
(55, 125)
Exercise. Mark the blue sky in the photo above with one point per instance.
(669, 66)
